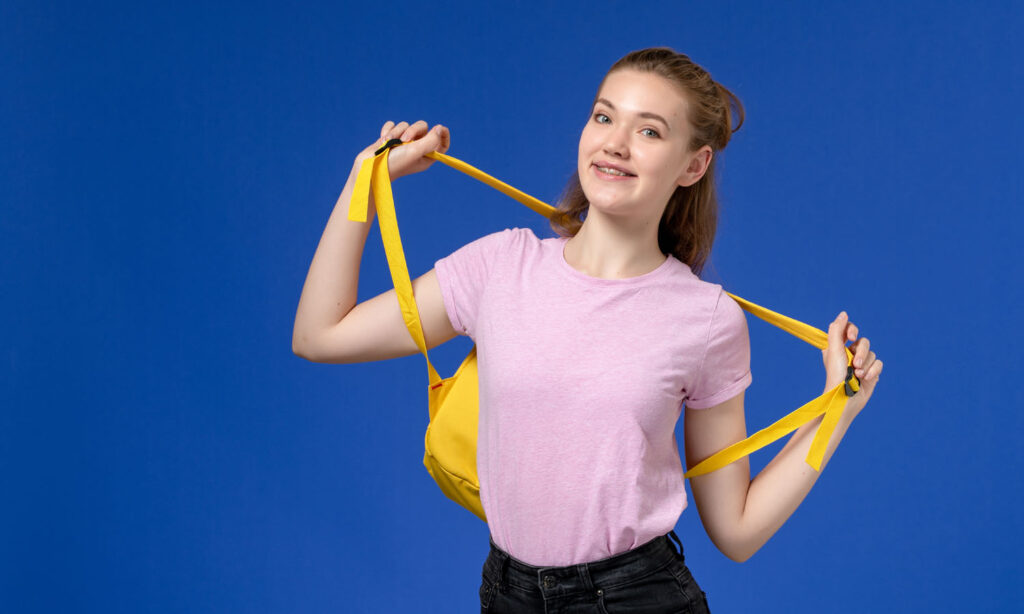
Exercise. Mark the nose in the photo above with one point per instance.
(615, 143)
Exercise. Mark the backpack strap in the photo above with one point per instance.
(373, 174)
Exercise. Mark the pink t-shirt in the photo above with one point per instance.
(582, 382)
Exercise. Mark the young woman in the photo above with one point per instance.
(589, 344)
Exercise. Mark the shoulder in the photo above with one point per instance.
(509, 243)
(508, 238)
(523, 236)
(486, 247)
(709, 310)
(728, 321)
(727, 330)
(491, 250)
(702, 298)
(727, 308)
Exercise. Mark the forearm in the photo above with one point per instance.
(332, 282)
(782, 485)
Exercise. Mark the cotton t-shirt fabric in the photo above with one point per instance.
(582, 381)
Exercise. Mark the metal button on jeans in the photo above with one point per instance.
(549, 581)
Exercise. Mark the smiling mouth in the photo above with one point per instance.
(610, 172)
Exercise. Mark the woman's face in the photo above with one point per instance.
(638, 124)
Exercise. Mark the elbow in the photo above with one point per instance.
(742, 549)
(300, 352)
(300, 346)
(734, 553)
(735, 548)
(739, 556)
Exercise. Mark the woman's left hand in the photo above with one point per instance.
(867, 367)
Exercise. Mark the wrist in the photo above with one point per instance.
(357, 165)
(853, 406)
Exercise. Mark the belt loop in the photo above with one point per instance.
(583, 569)
(502, 585)
(672, 534)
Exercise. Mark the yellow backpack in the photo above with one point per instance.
(453, 402)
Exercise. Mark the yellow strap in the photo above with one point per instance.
(373, 174)
(377, 168)
(831, 403)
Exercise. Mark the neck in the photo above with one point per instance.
(609, 250)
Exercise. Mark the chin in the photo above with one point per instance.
(612, 207)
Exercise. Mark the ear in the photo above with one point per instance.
(697, 166)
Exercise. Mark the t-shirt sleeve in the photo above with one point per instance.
(463, 276)
(725, 370)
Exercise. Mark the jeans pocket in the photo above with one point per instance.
(487, 590)
(688, 585)
(655, 593)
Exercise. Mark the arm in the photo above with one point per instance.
(740, 516)
(329, 325)
(329, 292)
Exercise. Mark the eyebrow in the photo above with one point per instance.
(646, 114)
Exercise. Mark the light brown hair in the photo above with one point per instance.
(688, 224)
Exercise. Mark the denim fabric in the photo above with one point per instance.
(649, 579)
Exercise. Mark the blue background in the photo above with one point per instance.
(166, 173)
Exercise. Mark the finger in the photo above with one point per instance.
(862, 352)
(414, 131)
(851, 331)
(437, 138)
(835, 331)
(444, 138)
(835, 350)
(869, 360)
(388, 125)
(397, 130)
(874, 371)
(853, 352)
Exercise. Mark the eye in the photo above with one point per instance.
(598, 116)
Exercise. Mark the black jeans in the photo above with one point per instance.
(649, 579)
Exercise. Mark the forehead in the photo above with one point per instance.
(633, 91)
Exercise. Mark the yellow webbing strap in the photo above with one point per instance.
(373, 174)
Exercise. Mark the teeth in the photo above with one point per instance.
(611, 171)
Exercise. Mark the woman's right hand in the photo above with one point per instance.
(408, 159)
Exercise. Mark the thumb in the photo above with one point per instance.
(437, 139)
(425, 143)
(837, 337)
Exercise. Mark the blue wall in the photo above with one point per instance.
(166, 172)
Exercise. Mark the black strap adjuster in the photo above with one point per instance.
(850, 376)
(388, 145)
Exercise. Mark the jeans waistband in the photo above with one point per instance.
(608, 572)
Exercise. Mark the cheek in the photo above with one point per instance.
(585, 142)
(585, 150)
(663, 169)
